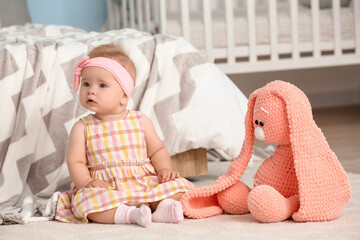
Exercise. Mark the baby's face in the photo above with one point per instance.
(100, 92)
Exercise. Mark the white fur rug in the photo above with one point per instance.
(347, 226)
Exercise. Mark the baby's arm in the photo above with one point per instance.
(76, 159)
(157, 153)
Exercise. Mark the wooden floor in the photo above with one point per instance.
(341, 127)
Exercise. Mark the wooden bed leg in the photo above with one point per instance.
(191, 163)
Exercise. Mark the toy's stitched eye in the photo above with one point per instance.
(256, 122)
(261, 124)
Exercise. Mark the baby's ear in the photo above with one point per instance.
(124, 100)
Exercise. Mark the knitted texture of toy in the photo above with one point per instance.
(303, 179)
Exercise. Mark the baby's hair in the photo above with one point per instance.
(115, 53)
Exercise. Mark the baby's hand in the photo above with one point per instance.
(97, 183)
(167, 174)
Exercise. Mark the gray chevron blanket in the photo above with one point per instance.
(191, 103)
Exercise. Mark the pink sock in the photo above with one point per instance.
(132, 215)
(168, 211)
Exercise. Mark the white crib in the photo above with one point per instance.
(245, 36)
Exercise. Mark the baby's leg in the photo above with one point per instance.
(168, 210)
(266, 204)
(106, 217)
(124, 215)
(176, 197)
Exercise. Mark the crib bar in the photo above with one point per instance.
(294, 28)
(111, 16)
(124, 18)
(114, 15)
(185, 19)
(273, 30)
(156, 15)
(139, 15)
(337, 26)
(254, 54)
(207, 27)
(229, 16)
(315, 27)
(132, 14)
(251, 27)
(147, 16)
(357, 25)
(162, 7)
(118, 17)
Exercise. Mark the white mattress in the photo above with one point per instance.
(241, 33)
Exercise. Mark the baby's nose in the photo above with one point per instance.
(91, 90)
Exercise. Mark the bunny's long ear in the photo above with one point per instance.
(202, 202)
(324, 187)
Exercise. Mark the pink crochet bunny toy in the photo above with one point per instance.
(303, 179)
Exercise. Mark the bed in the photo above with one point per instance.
(175, 87)
(253, 36)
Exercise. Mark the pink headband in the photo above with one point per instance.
(119, 72)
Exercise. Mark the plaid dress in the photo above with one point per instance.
(116, 153)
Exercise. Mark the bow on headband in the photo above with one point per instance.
(119, 72)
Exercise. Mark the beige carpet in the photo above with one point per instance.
(223, 227)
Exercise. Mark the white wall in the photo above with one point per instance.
(63, 12)
(89, 15)
(324, 87)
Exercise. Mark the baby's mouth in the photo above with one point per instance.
(90, 101)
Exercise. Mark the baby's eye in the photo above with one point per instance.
(103, 85)
(86, 84)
